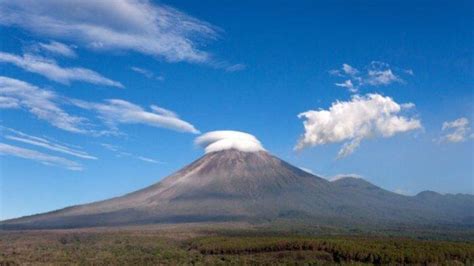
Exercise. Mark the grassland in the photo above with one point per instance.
(217, 246)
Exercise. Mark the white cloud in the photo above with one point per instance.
(381, 77)
(163, 111)
(458, 123)
(115, 111)
(9, 103)
(402, 192)
(459, 130)
(342, 176)
(46, 105)
(348, 85)
(58, 48)
(110, 147)
(133, 25)
(349, 70)
(348, 148)
(235, 67)
(51, 70)
(120, 153)
(376, 74)
(352, 121)
(307, 170)
(147, 73)
(6, 149)
(409, 72)
(148, 160)
(47, 144)
(41, 103)
(227, 139)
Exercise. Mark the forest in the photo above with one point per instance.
(201, 247)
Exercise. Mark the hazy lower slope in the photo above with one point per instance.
(232, 185)
(363, 199)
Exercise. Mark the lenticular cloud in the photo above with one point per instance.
(141, 26)
(228, 139)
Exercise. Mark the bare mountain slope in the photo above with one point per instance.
(230, 185)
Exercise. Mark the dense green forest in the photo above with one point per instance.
(343, 249)
(151, 247)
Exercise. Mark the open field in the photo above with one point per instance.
(216, 245)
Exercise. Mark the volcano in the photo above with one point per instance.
(236, 185)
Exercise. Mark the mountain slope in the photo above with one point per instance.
(231, 185)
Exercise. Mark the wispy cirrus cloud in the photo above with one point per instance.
(116, 111)
(46, 159)
(456, 131)
(375, 74)
(348, 85)
(235, 67)
(51, 70)
(8, 103)
(148, 160)
(57, 48)
(48, 106)
(134, 25)
(44, 104)
(120, 153)
(147, 73)
(352, 121)
(19, 136)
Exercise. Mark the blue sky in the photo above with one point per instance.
(100, 98)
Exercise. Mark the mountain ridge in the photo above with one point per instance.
(231, 185)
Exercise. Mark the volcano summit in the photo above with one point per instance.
(237, 180)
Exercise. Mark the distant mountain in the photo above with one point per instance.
(232, 185)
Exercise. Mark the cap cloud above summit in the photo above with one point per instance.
(229, 139)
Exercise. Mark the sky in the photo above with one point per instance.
(101, 98)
